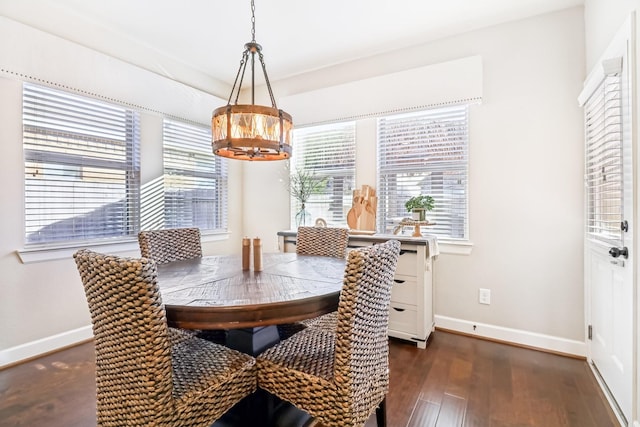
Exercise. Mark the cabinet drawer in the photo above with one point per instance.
(407, 264)
(404, 289)
(403, 318)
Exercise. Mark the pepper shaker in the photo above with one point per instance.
(246, 253)
(257, 254)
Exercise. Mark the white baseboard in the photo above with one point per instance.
(31, 349)
(545, 342)
(516, 336)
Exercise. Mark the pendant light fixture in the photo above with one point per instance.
(251, 132)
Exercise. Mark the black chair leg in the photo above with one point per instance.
(381, 413)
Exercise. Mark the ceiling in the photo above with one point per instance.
(207, 36)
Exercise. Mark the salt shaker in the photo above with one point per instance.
(246, 253)
(257, 254)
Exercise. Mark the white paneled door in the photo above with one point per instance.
(611, 323)
(609, 242)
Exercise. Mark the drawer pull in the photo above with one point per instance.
(398, 309)
(408, 251)
(399, 281)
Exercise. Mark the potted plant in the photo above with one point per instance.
(419, 206)
(302, 184)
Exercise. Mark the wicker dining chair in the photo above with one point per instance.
(148, 374)
(321, 241)
(341, 378)
(175, 244)
(172, 244)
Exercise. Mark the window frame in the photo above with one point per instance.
(187, 156)
(369, 126)
(338, 170)
(441, 135)
(94, 137)
(604, 165)
(64, 249)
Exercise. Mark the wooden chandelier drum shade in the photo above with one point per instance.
(251, 132)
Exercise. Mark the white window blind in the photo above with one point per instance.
(82, 169)
(328, 151)
(603, 127)
(425, 153)
(195, 181)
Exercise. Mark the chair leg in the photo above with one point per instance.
(381, 413)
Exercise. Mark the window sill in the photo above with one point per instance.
(51, 253)
(455, 247)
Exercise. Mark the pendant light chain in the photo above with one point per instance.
(266, 79)
(253, 21)
(264, 67)
(253, 56)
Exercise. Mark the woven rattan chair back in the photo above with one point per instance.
(362, 341)
(323, 241)
(131, 335)
(341, 378)
(169, 245)
(147, 373)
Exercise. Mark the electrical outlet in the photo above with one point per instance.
(484, 296)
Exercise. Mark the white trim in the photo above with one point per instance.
(40, 254)
(29, 54)
(45, 345)
(442, 84)
(613, 51)
(516, 336)
(455, 247)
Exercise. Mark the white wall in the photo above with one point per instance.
(603, 19)
(525, 190)
(526, 168)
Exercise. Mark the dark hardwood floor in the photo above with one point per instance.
(456, 381)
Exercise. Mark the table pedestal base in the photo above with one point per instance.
(261, 408)
(247, 413)
(253, 341)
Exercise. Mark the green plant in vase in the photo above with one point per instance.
(419, 206)
(302, 185)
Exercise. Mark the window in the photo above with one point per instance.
(195, 181)
(328, 151)
(424, 153)
(82, 169)
(604, 165)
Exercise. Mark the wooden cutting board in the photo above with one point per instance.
(367, 220)
(362, 215)
(352, 219)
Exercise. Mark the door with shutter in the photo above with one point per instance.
(609, 241)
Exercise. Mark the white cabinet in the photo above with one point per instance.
(411, 312)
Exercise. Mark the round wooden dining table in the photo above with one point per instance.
(213, 292)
